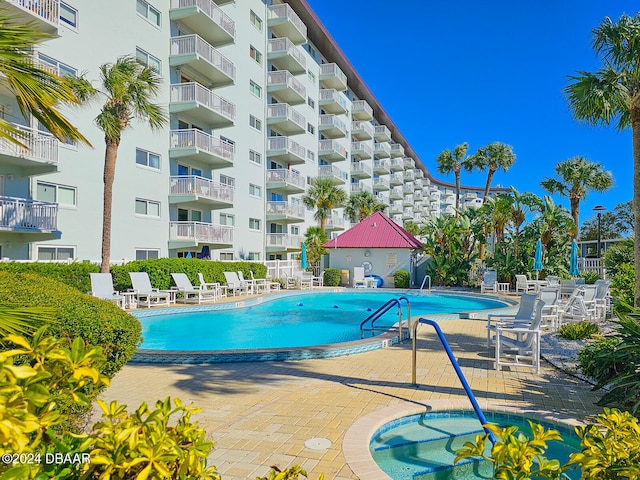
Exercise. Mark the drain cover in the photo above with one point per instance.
(318, 443)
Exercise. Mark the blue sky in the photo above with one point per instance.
(452, 71)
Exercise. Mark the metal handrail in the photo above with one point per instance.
(423, 282)
(454, 364)
(384, 309)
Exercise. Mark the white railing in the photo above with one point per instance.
(381, 165)
(47, 9)
(366, 127)
(285, 208)
(332, 70)
(382, 131)
(332, 120)
(284, 77)
(397, 150)
(361, 167)
(381, 182)
(382, 148)
(331, 145)
(331, 171)
(408, 175)
(332, 95)
(284, 45)
(396, 179)
(283, 10)
(334, 221)
(359, 186)
(24, 214)
(284, 240)
(193, 44)
(284, 175)
(592, 265)
(361, 106)
(285, 143)
(193, 138)
(417, 183)
(282, 268)
(284, 110)
(200, 232)
(360, 146)
(211, 10)
(194, 92)
(409, 163)
(37, 146)
(396, 206)
(195, 185)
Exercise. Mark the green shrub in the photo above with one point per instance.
(578, 331)
(331, 277)
(622, 284)
(73, 274)
(618, 254)
(590, 277)
(596, 360)
(401, 279)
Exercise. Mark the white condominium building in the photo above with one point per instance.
(260, 100)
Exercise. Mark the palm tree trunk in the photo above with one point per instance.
(457, 191)
(323, 223)
(635, 130)
(487, 187)
(110, 156)
(575, 213)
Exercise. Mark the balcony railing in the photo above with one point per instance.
(360, 187)
(284, 175)
(22, 214)
(397, 150)
(284, 77)
(285, 143)
(331, 95)
(196, 185)
(285, 209)
(194, 92)
(382, 149)
(37, 146)
(330, 171)
(284, 11)
(194, 138)
(193, 44)
(331, 121)
(360, 149)
(48, 10)
(284, 240)
(332, 76)
(334, 222)
(409, 163)
(211, 10)
(358, 127)
(381, 165)
(285, 46)
(361, 109)
(360, 167)
(382, 133)
(200, 232)
(285, 111)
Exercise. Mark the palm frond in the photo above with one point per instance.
(24, 320)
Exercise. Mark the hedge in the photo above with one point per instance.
(331, 277)
(73, 274)
(401, 279)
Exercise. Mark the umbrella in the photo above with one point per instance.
(303, 256)
(188, 255)
(205, 254)
(573, 260)
(537, 263)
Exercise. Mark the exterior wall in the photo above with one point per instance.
(347, 258)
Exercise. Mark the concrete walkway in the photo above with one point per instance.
(261, 414)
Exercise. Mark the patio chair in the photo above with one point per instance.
(522, 316)
(145, 294)
(567, 286)
(234, 285)
(589, 299)
(489, 281)
(269, 285)
(102, 287)
(603, 298)
(553, 281)
(189, 292)
(205, 286)
(574, 310)
(250, 284)
(524, 285)
(519, 345)
(550, 296)
(358, 278)
(303, 279)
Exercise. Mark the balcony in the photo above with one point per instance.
(381, 150)
(332, 77)
(285, 212)
(332, 101)
(397, 150)
(196, 190)
(395, 179)
(333, 174)
(396, 165)
(283, 242)
(25, 216)
(286, 56)
(360, 151)
(408, 176)
(331, 126)
(360, 170)
(202, 105)
(196, 145)
(194, 52)
(407, 189)
(407, 200)
(286, 88)
(418, 184)
(417, 218)
(409, 163)
(286, 150)
(334, 223)
(383, 198)
(435, 196)
(43, 15)
(284, 22)
(396, 193)
(396, 207)
(419, 173)
(417, 195)
(380, 184)
(361, 130)
(449, 210)
(382, 133)
(39, 154)
(361, 110)
(193, 234)
(205, 18)
(287, 120)
(331, 151)
(407, 213)
(417, 205)
(358, 187)
(381, 167)
(434, 206)
(285, 181)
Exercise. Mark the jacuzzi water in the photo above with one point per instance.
(422, 447)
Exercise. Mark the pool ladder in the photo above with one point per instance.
(424, 280)
(456, 367)
(388, 305)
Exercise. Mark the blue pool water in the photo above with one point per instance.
(422, 447)
(309, 319)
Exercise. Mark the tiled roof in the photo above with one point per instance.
(375, 231)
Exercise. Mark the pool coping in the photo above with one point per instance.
(355, 444)
(384, 340)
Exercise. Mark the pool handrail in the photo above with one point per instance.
(454, 364)
(384, 309)
(423, 282)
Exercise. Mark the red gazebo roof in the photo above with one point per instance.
(375, 231)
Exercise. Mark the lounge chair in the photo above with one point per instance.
(145, 294)
(489, 282)
(523, 285)
(550, 296)
(589, 299)
(523, 316)
(358, 278)
(254, 286)
(234, 285)
(263, 281)
(205, 286)
(189, 292)
(575, 309)
(603, 300)
(519, 345)
(102, 287)
(567, 286)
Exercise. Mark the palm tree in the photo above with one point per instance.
(324, 196)
(362, 204)
(495, 156)
(612, 94)
(314, 239)
(578, 176)
(129, 88)
(552, 223)
(451, 162)
(37, 91)
(520, 208)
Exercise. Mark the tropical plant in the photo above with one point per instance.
(324, 196)
(576, 177)
(452, 162)
(553, 225)
(590, 358)
(362, 204)
(401, 279)
(622, 286)
(315, 238)
(607, 225)
(624, 217)
(521, 207)
(331, 277)
(611, 94)
(493, 157)
(128, 88)
(617, 255)
(578, 330)
(38, 92)
(412, 227)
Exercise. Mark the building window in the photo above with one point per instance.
(255, 157)
(56, 253)
(311, 129)
(142, 254)
(255, 89)
(311, 156)
(225, 180)
(295, 230)
(228, 220)
(255, 190)
(255, 20)
(253, 256)
(311, 102)
(255, 123)
(147, 159)
(228, 256)
(147, 60)
(148, 12)
(148, 208)
(227, 140)
(60, 68)
(255, 54)
(311, 77)
(50, 192)
(254, 224)
(68, 16)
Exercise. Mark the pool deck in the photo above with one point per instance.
(261, 414)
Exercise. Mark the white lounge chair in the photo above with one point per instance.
(489, 282)
(145, 294)
(358, 278)
(523, 316)
(269, 285)
(603, 300)
(205, 286)
(519, 345)
(523, 285)
(234, 285)
(252, 284)
(550, 296)
(189, 292)
(575, 309)
(102, 287)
